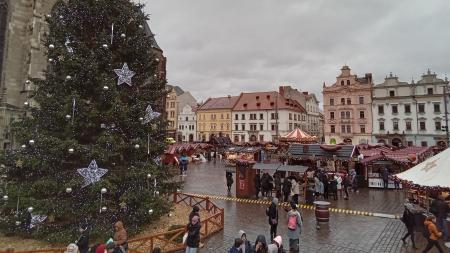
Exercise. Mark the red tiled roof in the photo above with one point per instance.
(219, 103)
(270, 100)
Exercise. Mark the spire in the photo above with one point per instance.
(412, 79)
(390, 74)
(324, 84)
(428, 71)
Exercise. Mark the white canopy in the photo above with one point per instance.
(435, 171)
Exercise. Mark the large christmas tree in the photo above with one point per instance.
(91, 142)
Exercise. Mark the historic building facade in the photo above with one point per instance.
(347, 108)
(410, 114)
(176, 100)
(22, 58)
(264, 116)
(312, 115)
(214, 117)
(187, 121)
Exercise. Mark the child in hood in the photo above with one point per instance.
(246, 246)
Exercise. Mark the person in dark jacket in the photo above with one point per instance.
(246, 246)
(260, 244)
(257, 182)
(193, 238)
(237, 246)
(83, 240)
(333, 187)
(440, 209)
(195, 212)
(346, 183)
(286, 189)
(324, 179)
(408, 219)
(272, 212)
(230, 181)
(385, 176)
(277, 183)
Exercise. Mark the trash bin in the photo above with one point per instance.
(322, 211)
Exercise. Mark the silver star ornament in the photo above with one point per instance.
(92, 173)
(150, 115)
(37, 219)
(124, 74)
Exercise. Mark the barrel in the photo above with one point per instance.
(322, 211)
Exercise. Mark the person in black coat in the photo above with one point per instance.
(408, 219)
(193, 231)
(257, 182)
(230, 181)
(272, 212)
(83, 240)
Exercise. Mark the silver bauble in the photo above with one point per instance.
(24, 146)
(123, 35)
(71, 150)
(68, 190)
(105, 46)
(27, 81)
(50, 60)
(141, 26)
(68, 77)
(30, 209)
(5, 198)
(51, 46)
(17, 223)
(150, 211)
(68, 116)
(31, 142)
(141, 119)
(103, 190)
(105, 88)
(136, 146)
(104, 209)
(149, 175)
(26, 103)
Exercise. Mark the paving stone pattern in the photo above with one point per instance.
(344, 233)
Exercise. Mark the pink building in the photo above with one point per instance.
(347, 108)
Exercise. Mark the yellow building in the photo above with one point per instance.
(214, 117)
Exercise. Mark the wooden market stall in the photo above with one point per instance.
(394, 160)
(172, 152)
(234, 153)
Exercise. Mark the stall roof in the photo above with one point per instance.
(341, 152)
(405, 156)
(239, 149)
(179, 148)
(280, 167)
(221, 141)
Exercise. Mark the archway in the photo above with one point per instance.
(253, 137)
(333, 141)
(382, 141)
(191, 138)
(396, 142)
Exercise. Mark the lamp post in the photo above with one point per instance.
(102, 191)
(446, 111)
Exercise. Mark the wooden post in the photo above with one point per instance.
(222, 217)
(175, 195)
(207, 204)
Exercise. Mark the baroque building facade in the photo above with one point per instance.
(410, 114)
(187, 121)
(264, 116)
(347, 108)
(22, 58)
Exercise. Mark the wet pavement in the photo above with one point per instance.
(344, 232)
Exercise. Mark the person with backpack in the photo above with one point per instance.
(295, 190)
(432, 234)
(346, 183)
(294, 224)
(276, 246)
(440, 209)
(184, 160)
(272, 212)
(408, 219)
(83, 241)
(286, 189)
(193, 235)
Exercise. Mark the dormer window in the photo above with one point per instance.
(272, 103)
(245, 105)
(258, 104)
(268, 96)
(257, 97)
(391, 93)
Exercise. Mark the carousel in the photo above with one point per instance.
(299, 136)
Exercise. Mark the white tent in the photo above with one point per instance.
(435, 171)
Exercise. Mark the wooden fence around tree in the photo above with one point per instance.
(170, 241)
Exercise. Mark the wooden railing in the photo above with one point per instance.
(170, 241)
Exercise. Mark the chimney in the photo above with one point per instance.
(229, 96)
(369, 77)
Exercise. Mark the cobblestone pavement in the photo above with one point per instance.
(344, 233)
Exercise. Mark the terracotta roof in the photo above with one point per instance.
(219, 103)
(270, 100)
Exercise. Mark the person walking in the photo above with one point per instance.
(236, 246)
(440, 209)
(385, 176)
(294, 224)
(195, 212)
(246, 246)
(318, 187)
(260, 244)
(229, 177)
(333, 187)
(277, 182)
(83, 241)
(346, 184)
(272, 212)
(286, 189)
(432, 235)
(193, 235)
(295, 190)
(324, 180)
(184, 160)
(339, 184)
(276, 246)
(265, 178)
(408, 219)
(257, 183)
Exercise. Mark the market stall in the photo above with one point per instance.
(192, 150)
(234, 153)
(298, 135)
(394, 160)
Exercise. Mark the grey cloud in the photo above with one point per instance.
(218, 47)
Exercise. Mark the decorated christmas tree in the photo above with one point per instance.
(91, 141)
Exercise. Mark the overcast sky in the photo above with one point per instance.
(221, 47)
